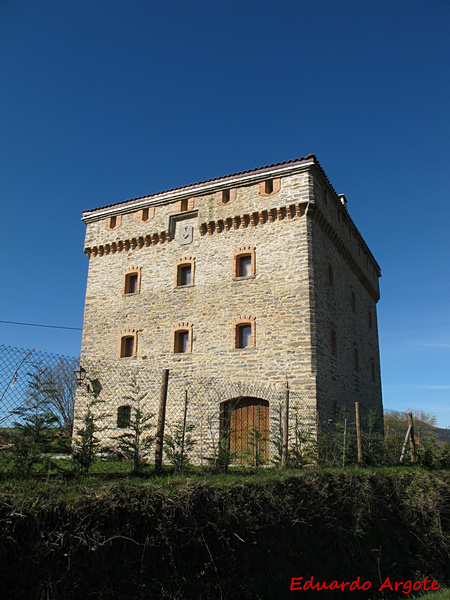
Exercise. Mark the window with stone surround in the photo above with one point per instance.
(123, 416)
(184, 272)
(225, 196)
(353, 301)
(269, 186)
(244, 332)
(132, 281)
(146, 214)
(113, 222)
(182, 338)
(128, 344)
(333, 341)
(355, 358)
(244, 263)
(184, 205)
(330, 274)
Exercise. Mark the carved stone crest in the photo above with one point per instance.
(185, 233)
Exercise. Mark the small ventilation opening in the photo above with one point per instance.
(268, 186)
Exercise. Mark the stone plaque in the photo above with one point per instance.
(185, 233)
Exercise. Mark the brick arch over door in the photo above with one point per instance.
(244, 424)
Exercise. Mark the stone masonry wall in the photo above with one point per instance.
(293, 234)
(347, 304)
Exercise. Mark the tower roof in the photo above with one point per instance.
(208, 185)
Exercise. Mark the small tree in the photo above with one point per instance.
(303, 445)
(136, 441)
(178, 445)
(33, 434)
(86, 444)
(255, 453)
(374, 447)
(62, 398)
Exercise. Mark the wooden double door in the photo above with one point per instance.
(245, 423)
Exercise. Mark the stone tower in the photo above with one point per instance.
(257, 276)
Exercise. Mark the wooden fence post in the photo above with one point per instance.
(412, 441)
(161, 422)
(284, 453)
(184, 427)
(405, 443)
(358, 434)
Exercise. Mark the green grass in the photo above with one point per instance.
(198, 533)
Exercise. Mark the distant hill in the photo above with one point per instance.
(442, 436)
(424, 425)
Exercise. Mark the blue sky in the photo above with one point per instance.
(105, 100)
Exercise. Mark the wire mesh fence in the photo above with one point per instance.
(57, 416)
(37, 393)
(208, 422)
(108, 420)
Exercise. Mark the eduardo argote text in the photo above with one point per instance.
(300, 583)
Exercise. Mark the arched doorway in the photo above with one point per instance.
(244, 425)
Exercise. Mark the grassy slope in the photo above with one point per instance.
(222, 536)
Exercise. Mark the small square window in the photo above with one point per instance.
(145, 214)
(123, 416)
(244, 336)
(181, 342)
(244, 266)
(127, 346)
(333, 341)
(225, 196)
(268, 186)
(330, 275)
(113, 222)
(184, 275)
(131, 283)
(184, 205)
(355, 359)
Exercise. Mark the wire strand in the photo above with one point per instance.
(37, 325)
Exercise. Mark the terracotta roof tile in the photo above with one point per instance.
(309, 157)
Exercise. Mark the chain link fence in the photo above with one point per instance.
(37, 392)
(57, 416)
(109, 420)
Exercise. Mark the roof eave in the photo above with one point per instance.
(203, 188)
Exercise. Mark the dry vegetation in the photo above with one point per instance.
(236, 536)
